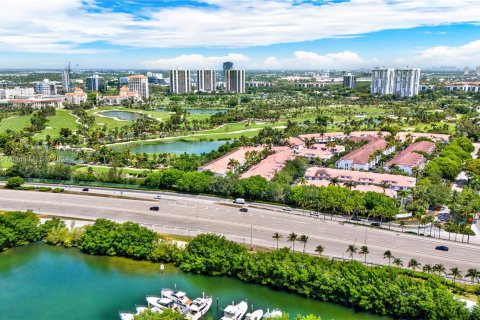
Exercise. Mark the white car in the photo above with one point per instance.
(157, 197)
(287, 209)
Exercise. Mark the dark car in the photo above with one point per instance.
(243, 210)
(441, 248)
(355, 219)
(375, 224)
(85, 189)
(154, 208)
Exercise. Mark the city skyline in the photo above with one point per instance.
(271, 34)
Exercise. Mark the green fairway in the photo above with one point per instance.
(16, 123)
(62, 119)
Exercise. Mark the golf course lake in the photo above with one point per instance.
(122, 115)
(43, 282)
(175, 147)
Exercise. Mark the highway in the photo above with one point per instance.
(191, 215)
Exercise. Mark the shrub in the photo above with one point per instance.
(14, 182)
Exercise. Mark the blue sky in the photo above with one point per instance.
(255, 34)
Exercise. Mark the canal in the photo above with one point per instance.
(43, 282)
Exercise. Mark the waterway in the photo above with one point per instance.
(175, 147)
(43, 282)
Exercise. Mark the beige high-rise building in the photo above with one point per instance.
(382, 81)
(206, 80)
(235, 81)
(139, 84)
(180, 81)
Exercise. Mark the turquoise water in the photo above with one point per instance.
(48, 283)
(198, 111)
(122, 115)
(175, 147)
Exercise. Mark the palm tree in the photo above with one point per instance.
(455, 273)
(440, 268)
(364, 251)
(402, 224)
(334, 182)
(414, 264)
(233, 165)
(319, 249)
(398, 262)
(302, 181)
(303, 238)
(473, 274)
(384, 185)
(349, 184)
(351, 250)
(277, 236)
(427, 268)
(388, 255)
(293, 237)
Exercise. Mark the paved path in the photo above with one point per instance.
(191, 215)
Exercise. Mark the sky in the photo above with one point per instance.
(254, 34)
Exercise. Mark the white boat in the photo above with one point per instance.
(126, 316)
(198, 308)
(274, 314)
(178, 297)
(140, 309)
(255, 315)
(160, 302)
(235, 312)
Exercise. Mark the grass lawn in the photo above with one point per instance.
(62, 119)
(16, 123)
(101, 169)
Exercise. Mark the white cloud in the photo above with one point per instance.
(468, 54)
(197, 61)
(64, 25)
(298, 60)
(312, 60)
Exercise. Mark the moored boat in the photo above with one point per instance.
(198, 308)
(178, 297)
(255, 315)
(235, 311)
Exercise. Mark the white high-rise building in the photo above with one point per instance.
(45, 87)
(139, 84)
(406, 82)
(349, 81)
(382, 81)
(93, 83)
(206, 80)
(180, 81)
(66, 79)
(235, 81)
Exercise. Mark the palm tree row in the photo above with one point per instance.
(292, 237)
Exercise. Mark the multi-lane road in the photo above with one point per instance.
(191, 215)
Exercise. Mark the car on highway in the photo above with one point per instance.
(157, 197)
(355, 218)
(239, 201)
(375, 224)
(85, 189)
(243, 210)
(154, 208)
(287, 209)
(441, 248)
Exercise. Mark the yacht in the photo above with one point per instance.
(126, 316)
(235, 312)
(161, 303)
(274, 314)
(198, 308)
(255, 315)
(178, 297)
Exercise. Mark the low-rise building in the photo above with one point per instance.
(124, 94)
(409, 159)
(435, 137)
(360, 178)
(38, 102)
(319, 151)
(271, 164)
(366, 157)
(324, 137)
(76, 97)
(16, 93)
(221, 166)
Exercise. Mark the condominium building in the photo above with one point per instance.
(349, 81)
(139, 84)
(93, 83)
(66, 79)
(401, 82)
(382, 81)
(411, 158)
(227, 65)
(406, 82)
(45, 87)
(16, 93)
(366, 157)
(206, 80)
(180, 81)
(235, 81)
